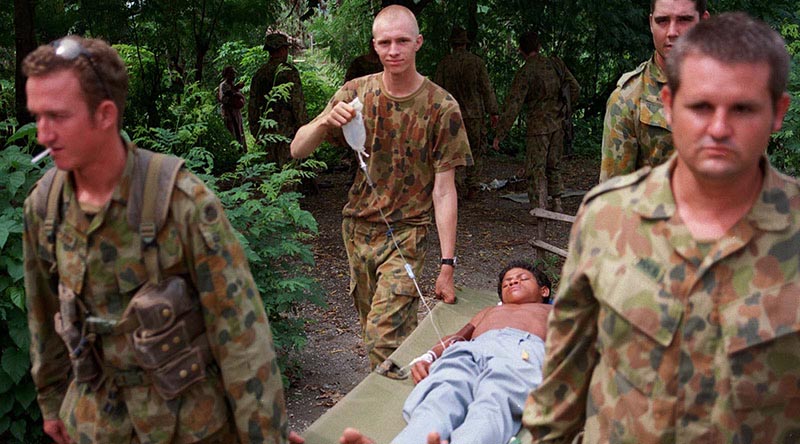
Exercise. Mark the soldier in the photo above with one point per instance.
(364, 65)
(415, 139)
(231, 102)
(538, 85)
(289, 114)
(677, 316)
(463, 74)
(635, 131)
(142, 329)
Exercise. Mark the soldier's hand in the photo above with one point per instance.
(339, 115)
(294, 438)
(496, 144)
(445, 290)
(55, 429)
(420, 370)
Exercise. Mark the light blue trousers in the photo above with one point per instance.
(476, 391)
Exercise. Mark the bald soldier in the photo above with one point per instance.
(415, 139)
(635, 130)
(678, 317)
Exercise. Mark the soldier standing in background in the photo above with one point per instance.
(635, 131)
(289, 114)
(677, 316)
(143, 328)
(538, 85)
(364, 64)
(463, 74)
(231, 102)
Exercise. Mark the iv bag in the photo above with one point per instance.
(354, 132)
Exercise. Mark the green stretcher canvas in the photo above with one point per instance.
(375, 405)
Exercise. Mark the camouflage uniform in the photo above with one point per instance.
(363, 65)
(635, 130)
(100, 258)
(288, 114)
(409, 140)
(537, 85)
(464, 75)
(658, 338)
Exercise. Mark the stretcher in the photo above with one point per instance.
(375, 405)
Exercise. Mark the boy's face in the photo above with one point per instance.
(519, 286)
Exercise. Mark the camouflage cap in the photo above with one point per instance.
(459, 36)
(275, 41)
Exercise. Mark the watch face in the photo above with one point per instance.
(449, 262)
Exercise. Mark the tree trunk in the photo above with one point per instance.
(25, 43)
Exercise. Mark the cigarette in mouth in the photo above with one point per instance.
(41, 156)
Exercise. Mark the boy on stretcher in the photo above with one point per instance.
(472, 386)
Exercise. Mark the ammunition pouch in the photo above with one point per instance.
(170, 342)
(80, 343)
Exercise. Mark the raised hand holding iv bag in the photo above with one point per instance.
(354, 132)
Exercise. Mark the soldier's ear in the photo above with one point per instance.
(666, 99)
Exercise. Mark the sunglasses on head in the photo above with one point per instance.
(69, 48)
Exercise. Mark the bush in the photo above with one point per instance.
(20, 419)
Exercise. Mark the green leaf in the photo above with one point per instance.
(25, 394)
(5, 421)
(18, 429)
(17, 296)
(6, 403)
(15, 362)
(18, 329)
(15, 181)
(5, 382)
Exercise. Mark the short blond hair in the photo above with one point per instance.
(396, 12)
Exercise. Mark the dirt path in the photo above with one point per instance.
(491, 231)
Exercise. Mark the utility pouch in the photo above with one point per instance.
(68, 326)
(170, 343)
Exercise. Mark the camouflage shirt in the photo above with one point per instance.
(100, 258)
(409, 140)
(635, 130)
(657, 338)
(288, 114)
(463, 74)
(538, 86)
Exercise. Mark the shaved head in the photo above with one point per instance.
(395, 13)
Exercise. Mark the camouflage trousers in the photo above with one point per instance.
(226, 435)
(383, 294)
(469, 177)
(543, 165)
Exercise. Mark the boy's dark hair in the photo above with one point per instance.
(699, 5)
(541, 277)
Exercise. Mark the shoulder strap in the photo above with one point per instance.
(153, 184)
(46, 201)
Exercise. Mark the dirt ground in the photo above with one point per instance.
(491, 231)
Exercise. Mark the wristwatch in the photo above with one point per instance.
(451, 261)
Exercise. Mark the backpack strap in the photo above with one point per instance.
(46, 202)
(153, 185)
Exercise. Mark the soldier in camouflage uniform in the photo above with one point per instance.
(677, 319)
(415, 139)
(538, 85)
(289, 114)
(635, 131)
(463, 74)
(364, 65)
(76, 89)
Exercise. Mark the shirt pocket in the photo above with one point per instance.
(637, 321)
(762, 343)
(651, 112)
